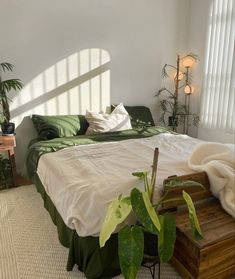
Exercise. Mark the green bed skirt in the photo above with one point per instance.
(85, 252)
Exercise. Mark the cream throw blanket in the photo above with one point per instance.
(218, 161)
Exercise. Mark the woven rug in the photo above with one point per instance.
(29, 247)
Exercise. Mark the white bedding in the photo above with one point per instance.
(81, 181)
(218, 161)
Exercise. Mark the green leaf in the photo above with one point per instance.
(7, 85)
(164, 72)
(196, 230)
(179, 182)
(151, 211)
(166, 237)
(141, 212)
(160, 91)
(139, 174)
(130, 250)
(163, 105)
(7, 67)
(117, 212)
(144, 175)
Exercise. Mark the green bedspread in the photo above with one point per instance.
(83, 251)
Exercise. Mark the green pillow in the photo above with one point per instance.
(140, 116)
(58, 126)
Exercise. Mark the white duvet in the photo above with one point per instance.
(81, 181)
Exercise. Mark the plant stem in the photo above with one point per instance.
(154, 172)
(161, 200)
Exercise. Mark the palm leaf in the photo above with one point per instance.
(7, 67)
(163, 104)
(160, 91)
(164, 72)
(8, 85)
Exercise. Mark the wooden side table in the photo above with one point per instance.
(7, 144)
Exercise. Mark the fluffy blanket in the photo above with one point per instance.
(218, 161)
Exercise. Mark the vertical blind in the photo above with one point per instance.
(217, 107)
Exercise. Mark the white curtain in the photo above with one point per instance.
(217, 107)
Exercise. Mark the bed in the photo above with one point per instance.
(50, 165)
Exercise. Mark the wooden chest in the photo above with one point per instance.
(212, 257)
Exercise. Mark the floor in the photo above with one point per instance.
(29, 247)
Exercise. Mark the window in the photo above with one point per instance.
(218, 100)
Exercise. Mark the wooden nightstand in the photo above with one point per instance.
(7, 144)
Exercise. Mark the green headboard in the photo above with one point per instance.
(140, 115)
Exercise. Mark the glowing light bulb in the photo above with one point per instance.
(180, 76)
(188, 89)
(188, 61)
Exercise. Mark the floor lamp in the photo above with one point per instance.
(188, 90)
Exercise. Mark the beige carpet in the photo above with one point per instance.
(29, 247)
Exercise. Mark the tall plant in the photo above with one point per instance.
(150, 220)
(5, 87)
(174, 112)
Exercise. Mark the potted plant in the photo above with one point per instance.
(151, 220)
(5, 172)
(5, 87)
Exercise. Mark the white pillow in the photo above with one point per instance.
(118, 120)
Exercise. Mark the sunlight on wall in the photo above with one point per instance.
(74, 84)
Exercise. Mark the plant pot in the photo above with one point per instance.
(150, 246)
(8, 128)
(151, 259)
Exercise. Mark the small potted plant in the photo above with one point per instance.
(5, 173)
(151, 221)
(6, 86)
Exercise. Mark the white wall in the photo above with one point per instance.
(196, 42)
(140, 37)
(197, 37)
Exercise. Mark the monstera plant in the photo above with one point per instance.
(150, 221)
(5, 87)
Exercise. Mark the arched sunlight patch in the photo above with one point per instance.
(74, 84)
